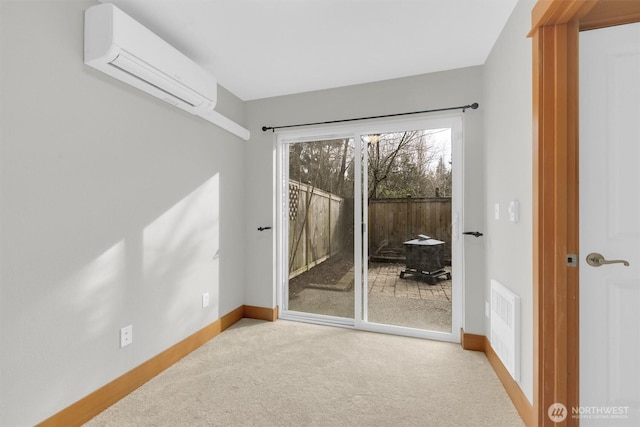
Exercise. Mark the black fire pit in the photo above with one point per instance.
(425, 259)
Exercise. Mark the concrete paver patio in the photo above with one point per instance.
(384, 279)
(410, 302)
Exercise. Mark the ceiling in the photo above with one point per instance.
(264, 48)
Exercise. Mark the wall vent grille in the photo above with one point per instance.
(505, 327)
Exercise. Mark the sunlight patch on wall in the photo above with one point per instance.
(180, 254)
(93, 288)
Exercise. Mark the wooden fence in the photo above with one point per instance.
(318, 226)
(321, 225)
(394, 221)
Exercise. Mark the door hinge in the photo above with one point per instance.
(572, 260)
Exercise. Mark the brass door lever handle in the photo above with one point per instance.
(595, 259)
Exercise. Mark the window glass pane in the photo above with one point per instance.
(321, 226)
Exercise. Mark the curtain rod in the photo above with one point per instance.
(462, 107)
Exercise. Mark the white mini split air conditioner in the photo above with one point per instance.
(119, 46)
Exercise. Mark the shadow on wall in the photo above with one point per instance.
(89, 257)
(107, 221)
(117, 209)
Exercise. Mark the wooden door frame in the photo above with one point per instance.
(555, 28)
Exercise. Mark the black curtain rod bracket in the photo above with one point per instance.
(464, 108)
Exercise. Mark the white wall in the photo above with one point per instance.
(116, 209)
(437, 90)
(508, 158)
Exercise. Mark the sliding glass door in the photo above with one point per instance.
(368, 226)
(319, 192)
(408, 199)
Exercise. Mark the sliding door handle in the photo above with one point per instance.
(473, 233)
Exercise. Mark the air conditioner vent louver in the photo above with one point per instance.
(155, 78)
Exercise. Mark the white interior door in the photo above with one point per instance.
(610, 226)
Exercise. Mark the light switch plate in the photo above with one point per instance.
(514, 211)
(496, 211)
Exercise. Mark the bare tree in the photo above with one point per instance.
(404, 164)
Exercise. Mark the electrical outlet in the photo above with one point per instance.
(496, 211)
(487, 310)
(205, 299)
(126, 336)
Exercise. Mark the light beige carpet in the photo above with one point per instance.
(295, 374)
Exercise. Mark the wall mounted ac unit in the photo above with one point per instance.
(119, 46)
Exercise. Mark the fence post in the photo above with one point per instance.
(406, 225)
(329, 226)
(307, 239)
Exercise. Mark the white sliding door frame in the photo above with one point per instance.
(283, 139)
(356, 132)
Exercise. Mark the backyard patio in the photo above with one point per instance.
(412, 302)
(408, 218)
